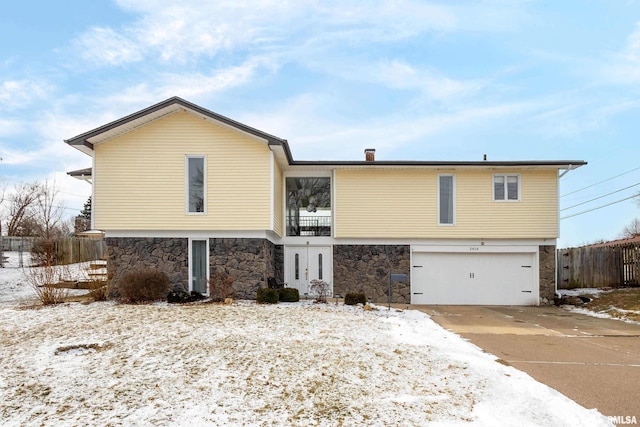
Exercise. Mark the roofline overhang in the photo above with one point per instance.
(85, 141)
(530, 164)
(85, 174)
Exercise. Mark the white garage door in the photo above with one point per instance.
(474, 279)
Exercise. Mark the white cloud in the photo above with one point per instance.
(624, 67)
(632, 50)
(194, 29)
(19, 93)
(215, 81)
(314, 136)
(104, 46)
(401, 75)
(9, 127)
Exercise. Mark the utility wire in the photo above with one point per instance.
(599, 207)
(600, 197)
(600, 182)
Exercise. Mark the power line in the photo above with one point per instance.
(600, 182)
(600, 197)
(599, 207)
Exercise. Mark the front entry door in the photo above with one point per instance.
(306, 263)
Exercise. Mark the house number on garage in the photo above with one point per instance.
(474, 249)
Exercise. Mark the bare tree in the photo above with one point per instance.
(632, 230)
(20, 211)
(49, 210)
(3, 191)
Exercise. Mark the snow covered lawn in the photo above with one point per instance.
(105, 364)
(302, 364)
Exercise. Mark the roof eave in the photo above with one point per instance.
(551, 164)
(82, 142)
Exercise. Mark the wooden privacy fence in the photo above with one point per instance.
(70, 250)
(599, 266)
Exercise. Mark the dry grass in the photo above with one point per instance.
(43, 280)
(619, 303)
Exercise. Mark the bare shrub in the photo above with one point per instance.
(44, 281)
(320, 288)
(43, 253)
(100, 290)
(144, 284)
(220, 286)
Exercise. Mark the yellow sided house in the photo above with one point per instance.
(193, 193)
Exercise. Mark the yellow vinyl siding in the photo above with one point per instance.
(277, 200)
(139, 179)
(404, 204)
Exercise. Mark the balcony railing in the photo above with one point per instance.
(309, 225)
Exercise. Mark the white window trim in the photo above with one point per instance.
(453, 182)
(506, 192)
(190, 256)
(186, 183)
(308, 174)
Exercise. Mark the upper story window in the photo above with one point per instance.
(446, 199)
(506, 187)
(195, 180)
(308, 206)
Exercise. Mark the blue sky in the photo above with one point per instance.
(517, 80)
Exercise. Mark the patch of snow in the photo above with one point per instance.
(595, 292)
(15, 287)
(601, 314)
(293, 364)
(583, 291)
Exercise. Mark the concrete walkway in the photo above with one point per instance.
(594, 361)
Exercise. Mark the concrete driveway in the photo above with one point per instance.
(595, 362)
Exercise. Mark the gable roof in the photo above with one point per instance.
(85, 143)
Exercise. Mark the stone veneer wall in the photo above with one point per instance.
(249, 262)
(365, 268)
(278, 262)
(165, 254)
(547, 273)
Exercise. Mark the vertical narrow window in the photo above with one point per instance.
(512, 188)
(446, 196)
(195, 184)
(320, 266)
(498, 187)
(296, 266)
(199, 266)
(506, 187)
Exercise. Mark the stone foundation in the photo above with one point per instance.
(365, 269)
(249, 262)
(547, 273)
(165, 254)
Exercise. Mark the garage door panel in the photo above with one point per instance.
(486, 279)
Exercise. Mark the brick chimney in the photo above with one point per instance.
(370, 154)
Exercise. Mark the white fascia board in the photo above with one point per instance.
(174, 234)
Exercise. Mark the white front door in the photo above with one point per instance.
(306, 263)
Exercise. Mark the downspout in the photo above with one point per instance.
(555, 275)
(566, 171)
